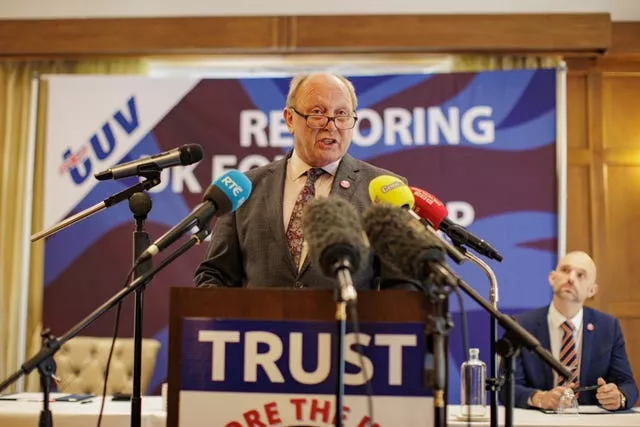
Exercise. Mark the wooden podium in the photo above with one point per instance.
(266, 305)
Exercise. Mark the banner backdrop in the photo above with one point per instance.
(484, 143)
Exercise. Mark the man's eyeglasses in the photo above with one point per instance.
(320, 121)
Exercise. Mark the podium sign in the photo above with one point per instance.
(258, 370)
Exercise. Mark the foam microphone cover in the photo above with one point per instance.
(333, 232)
(390, 190)
(401, 241)
(428, 207)
(191, 153)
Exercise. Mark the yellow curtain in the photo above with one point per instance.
(16, 173)
(470, 63)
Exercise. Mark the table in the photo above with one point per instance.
(535, 418)
(25, 412)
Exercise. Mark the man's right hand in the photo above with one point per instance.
(548, 399)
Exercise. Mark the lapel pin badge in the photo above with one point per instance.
(590, 327)
(345, 184)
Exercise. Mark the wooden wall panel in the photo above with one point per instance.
(596, 172)
(625, 309)
(577, 33)
(578, 209)
(580, 185)
(141, 36)
(621, 110)
(577, 112)
(622, 187)
(607, 172)
(625, 38)
(623, 156)
(454, 33)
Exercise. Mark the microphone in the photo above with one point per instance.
(400, 241)
(226, 194)
(428, 207)
(185, 155)
(389, 190)
(337, 243)
(395, 237)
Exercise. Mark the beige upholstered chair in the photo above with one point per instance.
(81, 363)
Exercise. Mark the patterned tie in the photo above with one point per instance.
(294, 230)
(568, 353)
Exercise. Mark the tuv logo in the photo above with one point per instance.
(101, 144)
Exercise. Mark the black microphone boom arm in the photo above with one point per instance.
(54, 345)
(109, 201)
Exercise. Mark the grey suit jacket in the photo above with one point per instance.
(248, 248)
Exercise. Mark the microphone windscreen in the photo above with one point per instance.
(390, 190)
(428, 207)
(401, 241)
(190, 154)
(228, 192)
(333, 232)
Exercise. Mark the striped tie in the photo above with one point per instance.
(568, 354)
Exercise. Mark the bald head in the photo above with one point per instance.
(581, 261)
(302, 80)
(573, 281)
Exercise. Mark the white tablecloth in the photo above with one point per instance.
(535, 418)
(25, 412)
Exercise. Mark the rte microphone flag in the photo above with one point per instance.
(226, 194)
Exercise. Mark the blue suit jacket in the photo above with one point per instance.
(603, 355)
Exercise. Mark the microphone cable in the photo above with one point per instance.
(113, 344)
(353, 309)
(195, 239)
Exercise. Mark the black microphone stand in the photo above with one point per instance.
(47, 370)
(140, 205)
(508, 350)
(437, 289)
(344, 294)
(494, 383)
(438, 328)
(41, 359)
(516, 338)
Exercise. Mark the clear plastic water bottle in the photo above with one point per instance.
(473, 395)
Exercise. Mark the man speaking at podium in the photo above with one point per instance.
(261, 245)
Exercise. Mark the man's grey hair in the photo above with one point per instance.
(297, 81)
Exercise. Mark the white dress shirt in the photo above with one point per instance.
(555, 320)
(293, 184)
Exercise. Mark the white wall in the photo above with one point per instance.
(620, 10)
